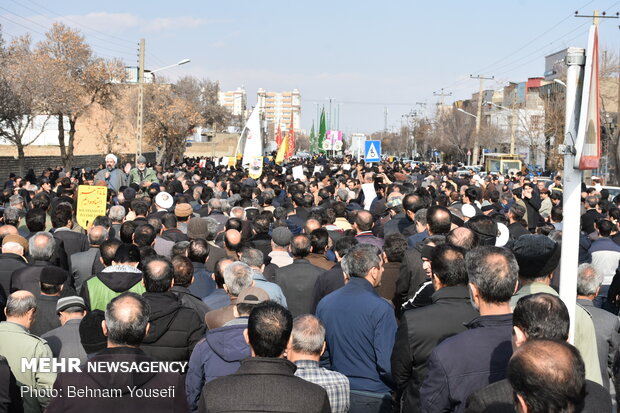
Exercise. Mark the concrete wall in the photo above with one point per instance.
(8, 164)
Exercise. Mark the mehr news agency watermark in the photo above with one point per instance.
(73, 365)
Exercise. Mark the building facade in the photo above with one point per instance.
(280, 108)
(235, 101)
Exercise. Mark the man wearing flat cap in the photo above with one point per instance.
(538, 256)
(65, 340)
(142, 175)
(111, 175)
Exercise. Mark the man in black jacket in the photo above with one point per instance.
(41, 248)
(259, 383)
(62, 221)
(536, 317)
(11, 259)
(125, 325)
(174, 329)
(297, 279)
(421, 329)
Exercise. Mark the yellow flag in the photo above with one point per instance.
(282, 151)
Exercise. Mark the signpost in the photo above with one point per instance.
(372, 151)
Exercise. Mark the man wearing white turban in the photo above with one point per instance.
(113, 177)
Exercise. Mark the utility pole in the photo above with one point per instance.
(442, 95)
(479, 117)
(513, 128)
(385, 118)
(140, 123)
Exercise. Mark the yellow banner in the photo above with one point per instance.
(91, 203)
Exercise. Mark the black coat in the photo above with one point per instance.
(10, 399)
(411, 276)
(263, 385)
(261, 242)
(28, 278)
(171, 402)
(73, 242)
(498, 398)
(174, 329)
(8, 263)
(297, 282)
(327, 282)
(420, 330)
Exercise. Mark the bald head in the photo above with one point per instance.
(7, 230)
(547, 376)
(311, 224)
(232, 240)
(20, 308)
(364, 221)
(158, 275)
(462, 237)
(97, 235)
(126, 320)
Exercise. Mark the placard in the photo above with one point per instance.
(369, 195)
(298, 172)
(91, 203)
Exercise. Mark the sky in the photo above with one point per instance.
(365, 56)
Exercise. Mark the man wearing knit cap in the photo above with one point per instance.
(52, 280)
(65, 340)
(183, 212)
(538, 256)
(91, 334)
(142, 175)
(113, 176)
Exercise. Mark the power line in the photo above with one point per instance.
(77, 24)
(46, 28)
(88, 28)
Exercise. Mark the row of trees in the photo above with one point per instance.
(61, 79)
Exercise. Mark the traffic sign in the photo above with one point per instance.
(372, 151)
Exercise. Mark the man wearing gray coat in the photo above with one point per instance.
(65, 340)
(111, 175)
(85, 264)
(606, 325)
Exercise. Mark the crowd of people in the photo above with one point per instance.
(325, 285)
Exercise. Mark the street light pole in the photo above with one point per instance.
(140, 120)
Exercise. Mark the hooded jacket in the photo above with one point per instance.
(174, 330)
(119, 392)
(99, 290)
(218, 354)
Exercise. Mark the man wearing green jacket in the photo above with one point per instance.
(142, 175)
(16, 343)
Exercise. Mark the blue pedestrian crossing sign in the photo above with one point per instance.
(372, 151)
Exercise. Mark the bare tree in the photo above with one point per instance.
(80, 80)
(22, 89)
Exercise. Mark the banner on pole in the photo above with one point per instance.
(588, 144)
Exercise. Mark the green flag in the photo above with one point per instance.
(322, 131)
(312, 140)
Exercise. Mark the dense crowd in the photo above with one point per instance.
(322, 285)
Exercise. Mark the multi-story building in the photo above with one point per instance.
(280, 108)
(518, 113)
(235, 101)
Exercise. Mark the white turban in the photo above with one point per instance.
(112, 157)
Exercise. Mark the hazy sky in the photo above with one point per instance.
(367, 55)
